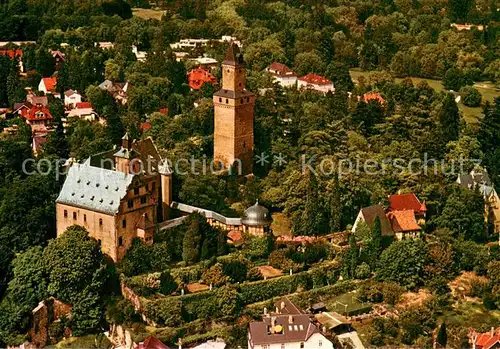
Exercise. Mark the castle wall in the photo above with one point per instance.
(100, 226)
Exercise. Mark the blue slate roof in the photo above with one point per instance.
(94, 188)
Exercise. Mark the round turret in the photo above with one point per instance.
(256, 216)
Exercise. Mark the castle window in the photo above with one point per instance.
(228, 70)
(100, 221)
(220, 99)
(143, 200)
(65, 213)
(239, 84)
(74, 215)
(153, 186)
(124, 223)
(120, 241)
(241, 100)
(84, 217)
(99, 242)
(136, 191)
(244, 144)
(227, 101)
(248, 99)
(130, 203)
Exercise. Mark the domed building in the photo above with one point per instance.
(256, 220)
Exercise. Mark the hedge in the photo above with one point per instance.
(227, 300)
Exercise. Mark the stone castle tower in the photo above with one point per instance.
(234, 105)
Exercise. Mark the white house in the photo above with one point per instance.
(282, 74)
(83, 110)
(292, 331)
(315, 82)
(71, 98)
(48, 86)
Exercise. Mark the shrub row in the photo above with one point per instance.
(228, 300)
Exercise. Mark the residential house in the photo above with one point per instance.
(286, 331)
(461, 27)
(204, 62)
(282, 74)
(480, 179)
(404, 225)
(315, 82)
(49, 86)
(14, 54)
(38, 117)
(151, 342)
(141, 56)
(59, 58)
(188, 44)
(403, 218)
(368, 215)
(199, 76)
(83, 110)
(118, 195)
(487, 340)
(211, 344)
(408, 202)
(71, 98)
(372, 96)
(35, 100)
(117, 89)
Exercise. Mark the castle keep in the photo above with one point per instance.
(233, 104)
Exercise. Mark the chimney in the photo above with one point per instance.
(492, 333)
(277, 310)
(265, 311)
(282, 305)
(290, 319)
(324, 329)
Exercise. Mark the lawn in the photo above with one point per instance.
(471, 314)
(471, 115)
(145, 13)
(346, 303)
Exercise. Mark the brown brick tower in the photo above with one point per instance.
(233, 104)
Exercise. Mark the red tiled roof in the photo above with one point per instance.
(315, 79)
(12, 53)
(235, 236)
(197, 77)
(164, 111)
(373, 96)
(84, 105)
(152, 343)
(50, 83)
(32, 115)
(280, 69)
(145, 126)
(408, 201)
(402, 221)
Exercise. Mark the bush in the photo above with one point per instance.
(363, 271)
(167, 283)
(235, 268)
(254, 274)
(279, 259)
(215, 276)
(489, 301)
(471, 96)
(164, 311)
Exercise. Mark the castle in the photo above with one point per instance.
(124, 193)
